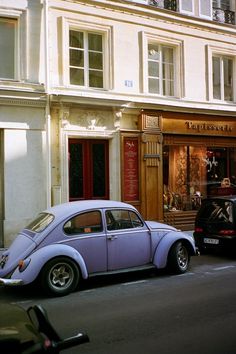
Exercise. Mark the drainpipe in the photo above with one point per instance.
(47, 111)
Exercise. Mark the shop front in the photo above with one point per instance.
(199, 160)
(175, 161)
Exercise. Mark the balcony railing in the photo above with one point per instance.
(224, 16)
(218, 14)
(164, 4)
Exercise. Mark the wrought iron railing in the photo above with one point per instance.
(218, 14)
(224, 16)
(164, 4)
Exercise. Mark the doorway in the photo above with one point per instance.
(88, 169)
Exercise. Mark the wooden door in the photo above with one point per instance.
(88, 169)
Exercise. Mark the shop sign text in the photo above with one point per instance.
(200, 127)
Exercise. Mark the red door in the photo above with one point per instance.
(88, 169)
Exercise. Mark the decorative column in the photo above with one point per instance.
(151, 166)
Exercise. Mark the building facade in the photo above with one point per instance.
(126, 100)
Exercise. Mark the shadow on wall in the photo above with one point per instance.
(25, 189)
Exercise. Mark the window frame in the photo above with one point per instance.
(106, 32)
(113, 213)
(220, 6)
(181, 9)
(201, 14)
(223, 53)
(177, 46)
(15, 21)
(84, 230)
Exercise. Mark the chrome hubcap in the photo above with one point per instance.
(182, 257)
(61, 275)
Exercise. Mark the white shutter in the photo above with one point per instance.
(186, 7)
(205, 8)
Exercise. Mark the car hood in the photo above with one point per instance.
(153, 225)
(21, 247)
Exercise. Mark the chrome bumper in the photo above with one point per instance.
(10, 282)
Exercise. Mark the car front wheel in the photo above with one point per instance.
(60, 276)
(179, 258)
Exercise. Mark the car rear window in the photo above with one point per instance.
(216, 210)
(40, 223)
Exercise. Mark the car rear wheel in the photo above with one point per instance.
(178, 261)
(60, 276)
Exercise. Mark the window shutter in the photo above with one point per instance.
(205, 7)
(186, 6)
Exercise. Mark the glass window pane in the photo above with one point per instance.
(168, 71)
(153, 69)
(228, 72)
(154, 85)
(95, 78)
(225, 4)
(99, 170)
(183, 172)
(7, 49)
(84, 223)
(76, 58)
(40, 223)
(191, 173)
(168, 88)
(95, 60)
(136, 222)
(76, 171)
(153, 52)
(77, 76)
(76, 39)
(161, 69)
(95, 42)
(167, 54)
(205, 8)
(186, 5)
(216, 78)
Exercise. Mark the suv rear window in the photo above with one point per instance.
(216, 210)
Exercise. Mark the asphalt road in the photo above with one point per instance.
(194, 313)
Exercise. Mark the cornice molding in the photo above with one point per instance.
(22, 102)
(146, 12)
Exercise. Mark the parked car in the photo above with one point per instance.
(215, 224)
(81, 239)
(30, 332)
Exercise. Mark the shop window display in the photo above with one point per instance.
(191, 173)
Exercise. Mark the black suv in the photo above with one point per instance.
(215, 224)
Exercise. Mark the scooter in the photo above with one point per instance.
(30, 332)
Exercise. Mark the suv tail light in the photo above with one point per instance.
(198, 229)
(227, 232)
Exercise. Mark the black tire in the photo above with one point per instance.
(179, 258)
(60, 276)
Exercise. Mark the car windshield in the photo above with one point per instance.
(40, 223)
(217, 210)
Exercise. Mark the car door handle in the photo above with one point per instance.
(111, 237)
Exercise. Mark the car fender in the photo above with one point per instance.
(161, 253)
(41, 256)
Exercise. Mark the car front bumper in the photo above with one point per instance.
(10, 282)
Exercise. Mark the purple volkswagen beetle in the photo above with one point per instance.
(80, 239)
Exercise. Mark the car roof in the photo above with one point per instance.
(83, 205)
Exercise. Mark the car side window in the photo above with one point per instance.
(122, 219)
(84, 223)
